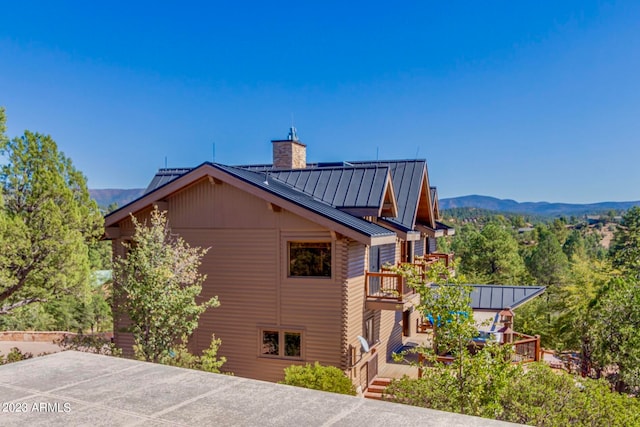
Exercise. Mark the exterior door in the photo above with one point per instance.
(406, 327)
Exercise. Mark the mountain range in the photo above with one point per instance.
(533, 208)
(106, 197)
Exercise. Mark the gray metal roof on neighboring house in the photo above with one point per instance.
(500, 297)
(293, 195)
(341, 187)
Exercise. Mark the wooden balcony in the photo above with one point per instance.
(388, 291)
(427, 261)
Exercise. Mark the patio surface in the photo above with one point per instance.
(73, 388)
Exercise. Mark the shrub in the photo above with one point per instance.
(14, 355)
(208, 361)
(318, 377)
(96, 344)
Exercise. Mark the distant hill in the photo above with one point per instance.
(533, 208)
(105, 197)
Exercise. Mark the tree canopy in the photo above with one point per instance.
(625, 248)
(47, 218)
(490, 255)
(156, 288)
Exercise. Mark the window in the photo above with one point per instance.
(309, 259)
(270, 343)
(292, 344)
(368, 330)
(281, 343)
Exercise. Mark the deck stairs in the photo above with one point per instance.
(376, 388)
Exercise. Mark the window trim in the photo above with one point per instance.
(281, 331)
(303, 241)
(369, 319)
(305, 237)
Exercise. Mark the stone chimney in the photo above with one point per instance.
(289, 153)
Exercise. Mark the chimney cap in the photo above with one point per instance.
(293, 134)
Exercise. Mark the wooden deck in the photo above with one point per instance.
(400, 369)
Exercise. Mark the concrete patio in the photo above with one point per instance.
(73, 388)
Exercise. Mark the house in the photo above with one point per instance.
(295, 257)
(493, 307)
(488, 301)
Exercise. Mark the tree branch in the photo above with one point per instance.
(7, 308)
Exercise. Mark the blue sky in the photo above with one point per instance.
(528, 100)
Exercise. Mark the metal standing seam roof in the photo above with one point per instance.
(500, 297)
(164, 176)
(341, 187)
(406, 176)
(293, 195)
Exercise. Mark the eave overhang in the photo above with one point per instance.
(402, 232)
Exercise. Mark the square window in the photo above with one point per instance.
(309, 259)
(271, 342)
(292, 344)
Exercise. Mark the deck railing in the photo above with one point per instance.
(526, 348)
(426, 262)
(386, 286)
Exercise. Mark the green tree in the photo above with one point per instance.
(318, 377)
(532, 396)
(47, 218)
(156, 286)
(547, 263)
(625, 247)
(614, 331)
(491, 256)
(574, 245)
(471, 385)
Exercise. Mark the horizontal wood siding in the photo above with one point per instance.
(390, 327)
(419, 247)
(432, 245)
(388, 254)
(241, 269)
(246, 268)
(357, 257)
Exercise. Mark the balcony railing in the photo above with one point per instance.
(526, 348)
(386, 286)
(439, 257)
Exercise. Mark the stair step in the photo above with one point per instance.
(381, 381)
(376, 388)
(373, 395)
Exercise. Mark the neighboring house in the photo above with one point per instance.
(493, 307)
(488, 301)
(295, 256)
